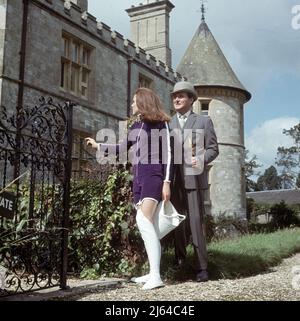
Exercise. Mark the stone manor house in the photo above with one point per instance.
(56, 48)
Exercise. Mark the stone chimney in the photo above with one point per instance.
(150, 28)
(83, 4)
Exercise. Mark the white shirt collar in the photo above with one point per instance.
(187, 114)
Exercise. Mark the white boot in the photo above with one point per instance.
(153, 249)
(141, 279)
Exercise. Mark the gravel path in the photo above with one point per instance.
(281, 283)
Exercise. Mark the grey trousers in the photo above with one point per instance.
(192, 225)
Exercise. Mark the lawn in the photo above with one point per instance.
(240, 257)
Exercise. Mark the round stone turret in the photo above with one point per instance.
(222, 97)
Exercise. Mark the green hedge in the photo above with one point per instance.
(103, 238)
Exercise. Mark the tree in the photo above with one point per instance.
(250, 167)
(269, 180)
(289, 158)
(287, 162)
(260, 183)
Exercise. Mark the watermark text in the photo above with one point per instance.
(296, 17)
(152, 147)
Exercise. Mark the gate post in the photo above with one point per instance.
(66, 200)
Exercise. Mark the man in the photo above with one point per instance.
(189, 186)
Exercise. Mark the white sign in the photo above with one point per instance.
(7, 205)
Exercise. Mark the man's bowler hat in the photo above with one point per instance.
(184, 86)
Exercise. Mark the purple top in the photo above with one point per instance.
(151, 148)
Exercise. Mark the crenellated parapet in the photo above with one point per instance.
(114, 39)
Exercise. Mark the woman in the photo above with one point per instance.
(150, 139)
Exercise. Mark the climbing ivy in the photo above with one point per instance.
(103, 237)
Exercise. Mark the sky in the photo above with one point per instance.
(261, 41)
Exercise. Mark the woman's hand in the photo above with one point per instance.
(91, 142)
(194, 162)
(166, 191)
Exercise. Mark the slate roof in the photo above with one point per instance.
(290, 196)
(204, 63)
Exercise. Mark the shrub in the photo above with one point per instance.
(224, 227)
(283, 216)
(103, 238)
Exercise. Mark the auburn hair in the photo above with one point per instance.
(150, 106)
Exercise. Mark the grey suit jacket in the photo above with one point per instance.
(196, 121)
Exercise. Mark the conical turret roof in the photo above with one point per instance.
(204, 63)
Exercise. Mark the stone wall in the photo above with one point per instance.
(107, 99)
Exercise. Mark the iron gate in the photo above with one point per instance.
(35, 169)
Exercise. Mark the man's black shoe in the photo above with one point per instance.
(202, 276)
